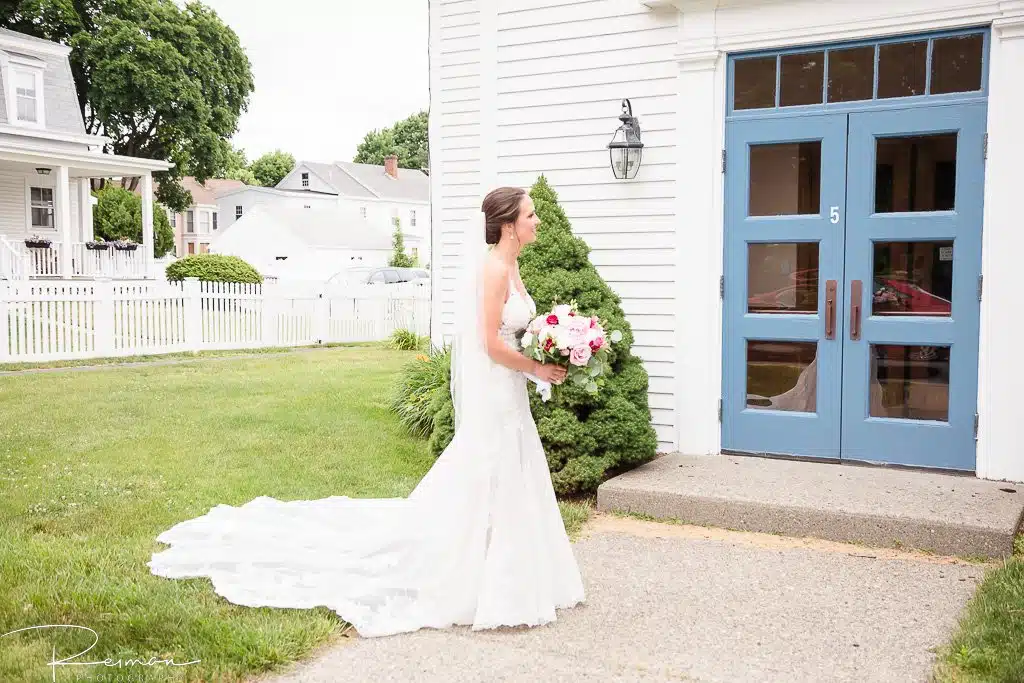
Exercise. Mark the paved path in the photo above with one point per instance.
(674, 603)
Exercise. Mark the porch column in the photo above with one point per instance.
(148, 242)
(699, 125)
(85, 208)
(62, 213)
(1000, 372)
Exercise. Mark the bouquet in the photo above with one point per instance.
(566, 337)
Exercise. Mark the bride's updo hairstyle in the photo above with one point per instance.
(501, 206)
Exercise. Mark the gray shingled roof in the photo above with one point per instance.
(343, 183)
(60, 99)
(411, 185)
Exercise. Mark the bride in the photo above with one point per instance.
(478, 542)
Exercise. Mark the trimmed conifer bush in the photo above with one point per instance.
(585, 435)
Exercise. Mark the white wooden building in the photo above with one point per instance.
(47, 161)
(295, 243)
(818, 254)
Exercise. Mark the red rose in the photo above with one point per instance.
(596, 344)
(552, 319)
(548, 343)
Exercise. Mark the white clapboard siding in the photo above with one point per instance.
(558, 71)
(12, 206)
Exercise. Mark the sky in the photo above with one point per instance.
(328, 71)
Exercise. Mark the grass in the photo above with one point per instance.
(93, 466)
(988, 646)
(184, 355)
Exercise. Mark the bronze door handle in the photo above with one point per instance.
(856, 291)
(830, 309)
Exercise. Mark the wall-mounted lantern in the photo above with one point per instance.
(625, 150)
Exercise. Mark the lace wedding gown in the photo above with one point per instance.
(478, 542)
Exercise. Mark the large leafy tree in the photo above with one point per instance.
(162, 81)
(272, 167)
(236, 167)
(407, 139)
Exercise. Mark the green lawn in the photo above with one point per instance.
(93, 466)
(989, 644)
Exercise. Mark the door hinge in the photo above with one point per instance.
(980, 282)
(975, 426)
(984, 146)
(721, 286)
(719, 410)
(723, 160)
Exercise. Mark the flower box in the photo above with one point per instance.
(35, 242)
(97, 246)
(125, 246)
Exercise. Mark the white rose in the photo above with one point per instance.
(527, 339)
(562, 310)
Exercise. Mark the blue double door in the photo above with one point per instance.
(852, 285)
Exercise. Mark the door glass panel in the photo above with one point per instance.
(956, 64)
(913, 278)
(785, 179)
(782, 278)
(754, 81)
(902, 68)
(915, 173)
(782, 375)
(851, 74)
(910, 382)
(801, 79)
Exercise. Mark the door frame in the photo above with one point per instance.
(914, 103)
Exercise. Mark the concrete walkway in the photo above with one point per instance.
(877, 506)
(674, 603)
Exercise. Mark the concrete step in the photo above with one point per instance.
(875, 506)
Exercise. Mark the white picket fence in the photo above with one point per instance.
(62, 320)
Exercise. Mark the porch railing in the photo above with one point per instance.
(13, 262)
(19, 262)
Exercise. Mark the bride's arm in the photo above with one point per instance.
(495, 292)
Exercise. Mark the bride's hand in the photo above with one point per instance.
(550, 373)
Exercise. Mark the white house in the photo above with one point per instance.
(196, 227)
(46, 163)
(818, 253)
(376, 193)
(294, 243)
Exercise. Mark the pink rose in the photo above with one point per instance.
(580, 355)
(596, 343)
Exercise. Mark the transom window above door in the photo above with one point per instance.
(881, 71)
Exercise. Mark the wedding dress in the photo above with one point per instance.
(478, 542)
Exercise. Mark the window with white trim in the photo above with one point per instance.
(214, 221)
(190, 221)
(42, 207)
(27, 96)
(238, 211)
(204, 222)
(305, 180)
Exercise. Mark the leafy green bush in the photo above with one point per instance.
(213, 268)
(414, 398)
(585, 435)
(404, 340)
(118, 216)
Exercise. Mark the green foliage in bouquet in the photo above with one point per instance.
(586, 435)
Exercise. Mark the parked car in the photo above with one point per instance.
(393, 275)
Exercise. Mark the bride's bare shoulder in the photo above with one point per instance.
(496, 271)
